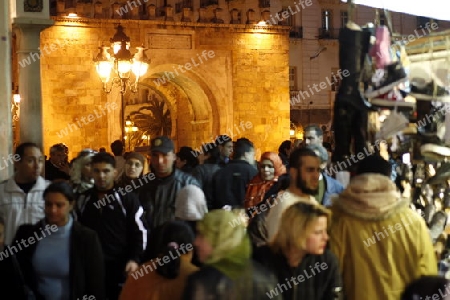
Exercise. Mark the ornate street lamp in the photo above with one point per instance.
(122, 68)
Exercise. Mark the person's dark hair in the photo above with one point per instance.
(187, 154)
(20, 150)
(222, 139)
(103, 157)
(425, 287)
(173, 234)
(242, 146)
(60, 147)
(374, 164)
(213, 153)
(285, 146)
(61, 187)
(295, 159)
(314, 127)
(117, 147)
(327, 146)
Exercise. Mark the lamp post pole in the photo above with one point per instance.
(122, 119)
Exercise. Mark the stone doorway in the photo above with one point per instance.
(182, 107)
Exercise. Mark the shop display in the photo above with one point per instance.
(406, 105)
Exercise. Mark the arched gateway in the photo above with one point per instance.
(203, 80)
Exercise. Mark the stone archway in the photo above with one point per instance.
(192, 105)
(241, 90)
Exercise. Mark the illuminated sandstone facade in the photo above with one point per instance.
(226, 79)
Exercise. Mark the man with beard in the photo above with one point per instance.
(304, 176)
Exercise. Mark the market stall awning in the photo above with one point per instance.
(432, 8)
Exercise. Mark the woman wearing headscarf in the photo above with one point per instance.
(228, 271)
(165, 279)
(190, 205)
(299, 257)
(270, 168)
(80, 172)
(260, 195)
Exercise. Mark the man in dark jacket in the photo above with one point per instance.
(57, 166)
(204, 173)
(225, 144)
(116, 217)
(230, 183)
(158, 195)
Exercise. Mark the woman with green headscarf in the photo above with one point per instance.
(228, 271)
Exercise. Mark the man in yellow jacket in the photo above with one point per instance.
(382, 245)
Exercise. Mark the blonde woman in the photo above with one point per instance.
(299, 257)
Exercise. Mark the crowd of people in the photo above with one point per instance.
(211, 225)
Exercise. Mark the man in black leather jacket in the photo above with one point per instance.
(157, 196)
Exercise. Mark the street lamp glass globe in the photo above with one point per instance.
(104, 70)
(123, 67)
(139, 68)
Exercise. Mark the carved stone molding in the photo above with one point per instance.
(329, 2)
(251, 17)
(33, 5)
(169, 13)
(187, 15)
(169, 41)
(202, 15)
(60, 7)
(218, 16)
(234, 16)
(238, 28)
(151, 11)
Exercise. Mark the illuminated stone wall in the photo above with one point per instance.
(227, 79)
